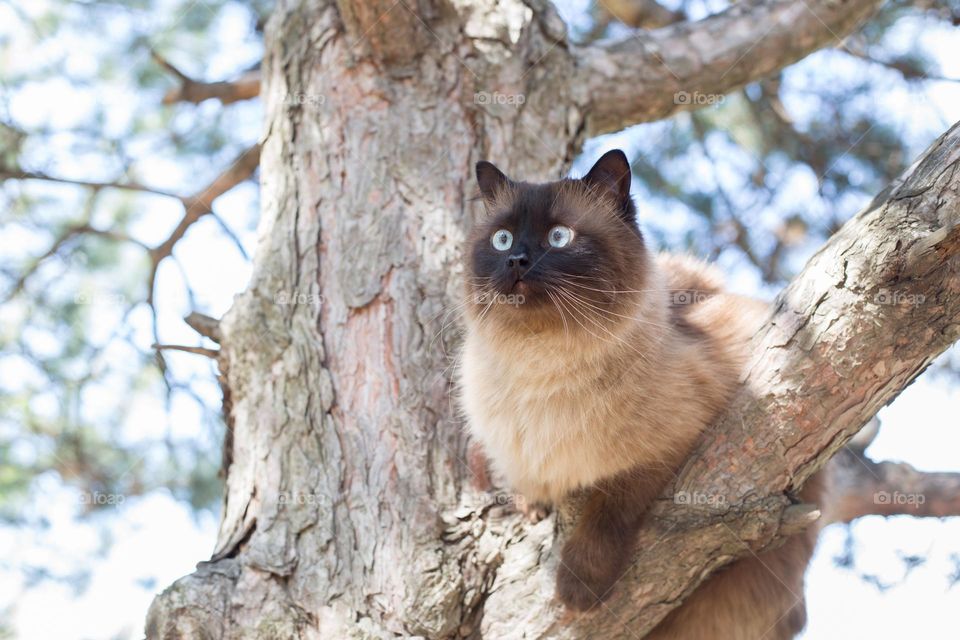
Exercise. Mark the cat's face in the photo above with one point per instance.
(566, 252)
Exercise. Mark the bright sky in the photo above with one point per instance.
(155, 539)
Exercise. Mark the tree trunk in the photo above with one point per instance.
(351, 509)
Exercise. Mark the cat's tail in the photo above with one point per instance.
(690, 275)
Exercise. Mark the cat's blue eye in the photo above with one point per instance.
(501, 240)
(559, 236)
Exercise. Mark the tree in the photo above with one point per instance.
(351, 508)
(107, 201)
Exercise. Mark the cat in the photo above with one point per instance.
(592, 363)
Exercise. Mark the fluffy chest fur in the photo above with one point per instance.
(553, 418)
(555, 413)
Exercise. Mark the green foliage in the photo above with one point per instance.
(81, 393)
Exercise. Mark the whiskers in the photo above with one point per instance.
(578, 290)
(600, 316)
(556, 304)
(452, 315)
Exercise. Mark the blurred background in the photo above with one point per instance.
(114, 132)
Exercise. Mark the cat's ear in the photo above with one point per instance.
(611, 173)
(490, 179)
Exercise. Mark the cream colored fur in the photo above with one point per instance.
(557, 409)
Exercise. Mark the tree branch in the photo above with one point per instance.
(200, 204)
(861, 487)
(204, 325)
(64, 238)
(867, 315)
(639, 14)
(245, 87)
(195, 205)
(652, 75)
(200, 351)
(8, 173)
(909, 69)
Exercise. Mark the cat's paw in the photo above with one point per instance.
(589, 569)
(534, 512)
(579, 591)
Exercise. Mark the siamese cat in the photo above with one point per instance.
(593, 363)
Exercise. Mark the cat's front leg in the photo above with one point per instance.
(590, 565)
(600, 548)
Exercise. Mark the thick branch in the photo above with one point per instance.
(651, 75)
(861, 487)
(867, 315)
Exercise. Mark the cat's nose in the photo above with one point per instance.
(518, 260)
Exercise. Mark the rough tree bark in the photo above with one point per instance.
(350, 509)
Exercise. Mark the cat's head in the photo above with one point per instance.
(566, 253)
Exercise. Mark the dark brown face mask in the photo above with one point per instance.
(543, 245)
